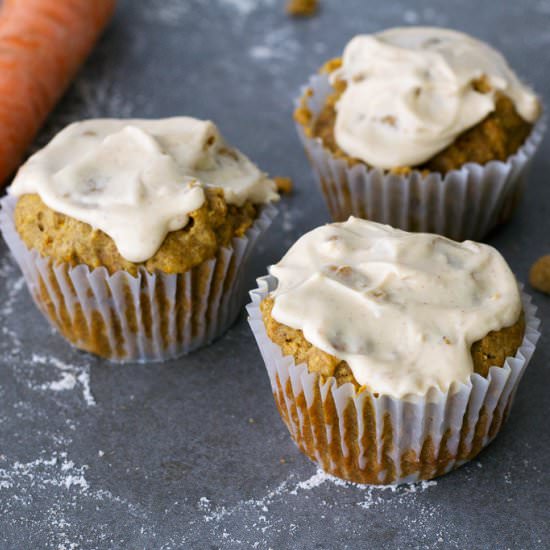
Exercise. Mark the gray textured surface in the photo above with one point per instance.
(192, 454)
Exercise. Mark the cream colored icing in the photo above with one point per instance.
(137, 180)
(409, 93)
(403, 309)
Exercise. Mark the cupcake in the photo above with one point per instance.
(133, 234)
(393, 356)
(426, 129)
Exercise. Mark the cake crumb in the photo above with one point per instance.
(302, 8)
(284, 185)
(539, 275)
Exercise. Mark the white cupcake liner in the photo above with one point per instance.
(463, 204)
(381, 439)
(149, 317)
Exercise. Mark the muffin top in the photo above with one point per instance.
(410, 92)
(401, 309)
(138, 180)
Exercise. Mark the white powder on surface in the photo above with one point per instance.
(14, 283)
(14, 289)
(66, 382)
(410, 16)
(55, 470)
(101, 98)
(173, 12)
(288, 223)
(56, 478)
(167, 12)
(316, 480)
(30, 369)
(71, 376)
(278, 44)
(50, 487)
(262, 517)
(241, 7)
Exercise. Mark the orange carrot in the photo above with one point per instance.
(42, 45)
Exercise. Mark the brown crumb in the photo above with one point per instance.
(284, 185)
(302, 8)
(539, 276)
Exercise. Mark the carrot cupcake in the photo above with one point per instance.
(133, 234)
(393, 356)
(426, 129)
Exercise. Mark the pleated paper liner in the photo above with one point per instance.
(373, 439)
(149, 317)
(462, 204)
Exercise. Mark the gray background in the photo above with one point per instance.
(192, 453)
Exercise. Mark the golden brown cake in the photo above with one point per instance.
(67, 240)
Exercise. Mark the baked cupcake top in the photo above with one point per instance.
(410, 92)
(138, 180)
(401, 309)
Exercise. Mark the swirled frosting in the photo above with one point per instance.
(403, 309)
(410, 93)
(137, 180)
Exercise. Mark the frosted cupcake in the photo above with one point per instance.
(426, 129)
(133, 234)
(393, 356)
